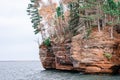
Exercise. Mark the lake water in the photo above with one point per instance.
(32, 70)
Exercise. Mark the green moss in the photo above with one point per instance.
(108, 55)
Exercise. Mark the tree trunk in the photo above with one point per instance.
(105, 20)
(112, 31)
(98, 25)
(98, 20)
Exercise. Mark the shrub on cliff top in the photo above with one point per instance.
(47, 42)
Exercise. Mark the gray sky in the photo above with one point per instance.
(17, 39)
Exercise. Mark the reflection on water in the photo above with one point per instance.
(63, 75)
(34, 71)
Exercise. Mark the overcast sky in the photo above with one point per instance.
(17, 39)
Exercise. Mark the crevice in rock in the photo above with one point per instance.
(115, 69)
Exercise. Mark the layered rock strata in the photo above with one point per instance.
(97, 54)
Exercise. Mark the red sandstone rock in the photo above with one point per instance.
(92, 69)
(83, 55)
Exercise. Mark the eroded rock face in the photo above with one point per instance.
(47, 58)
(93, 55)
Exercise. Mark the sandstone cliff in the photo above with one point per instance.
(97, 54)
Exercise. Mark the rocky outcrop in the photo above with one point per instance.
(97, 54)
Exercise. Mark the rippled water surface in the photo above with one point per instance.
(34, 71)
